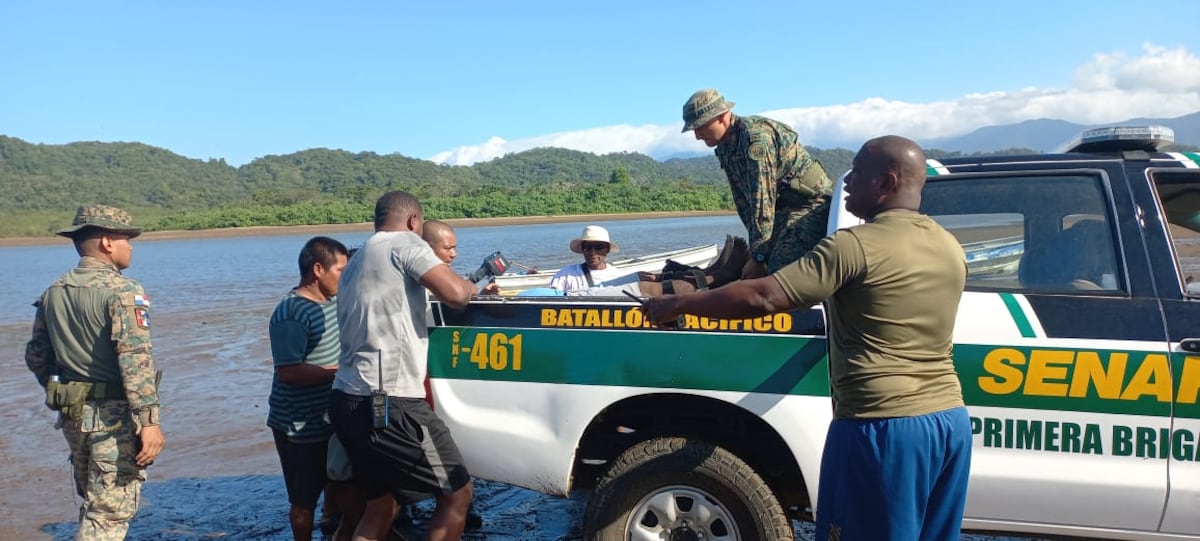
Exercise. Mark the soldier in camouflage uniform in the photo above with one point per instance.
(781, 193)
(91, 351)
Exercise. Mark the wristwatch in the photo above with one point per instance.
(760, 257)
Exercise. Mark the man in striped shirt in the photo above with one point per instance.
(305, 347)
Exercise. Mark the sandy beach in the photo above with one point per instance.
(366, 226)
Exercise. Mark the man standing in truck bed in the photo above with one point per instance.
(898, 453)
(781, 193)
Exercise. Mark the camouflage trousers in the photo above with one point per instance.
(106, 474)
(796, 233)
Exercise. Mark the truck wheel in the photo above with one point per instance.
(679, 489)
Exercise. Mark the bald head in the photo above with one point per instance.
(888, 173)
(398, 211)
(435, 229)
(900, 155)
(442, 239)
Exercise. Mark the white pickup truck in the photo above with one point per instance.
(1077, 343)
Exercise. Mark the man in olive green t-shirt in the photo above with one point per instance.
(897, 455)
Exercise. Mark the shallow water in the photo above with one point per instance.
(196, 274)
(218, 477)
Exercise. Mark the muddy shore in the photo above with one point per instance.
(366, 226)
(219, 475)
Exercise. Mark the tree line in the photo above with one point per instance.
(43, 184)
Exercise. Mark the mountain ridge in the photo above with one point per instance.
(40, 180)
(1042, 135)
(1047, 135)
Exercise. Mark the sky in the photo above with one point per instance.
(466, 81)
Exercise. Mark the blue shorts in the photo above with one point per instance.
(896, 478)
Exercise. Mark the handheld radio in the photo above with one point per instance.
(379, 400)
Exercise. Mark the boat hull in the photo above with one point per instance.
(698, 256)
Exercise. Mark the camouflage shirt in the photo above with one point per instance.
(93, 324)
(769, 172)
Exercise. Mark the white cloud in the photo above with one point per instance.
(1159, 70)
(1111, 87)
(599, 140)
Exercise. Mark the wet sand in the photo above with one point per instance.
(366, 226)
(218, 477)
(217, 376)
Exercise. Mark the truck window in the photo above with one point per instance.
(993, 244)
(1179, 195)
(1035, 233)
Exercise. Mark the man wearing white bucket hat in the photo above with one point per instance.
(595, 246)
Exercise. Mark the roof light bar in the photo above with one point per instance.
(1119, 138)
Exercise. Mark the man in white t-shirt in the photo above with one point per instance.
(406, 453)
(595, 246)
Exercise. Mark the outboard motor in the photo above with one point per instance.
(493, 265)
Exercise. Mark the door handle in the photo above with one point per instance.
(1190, 345)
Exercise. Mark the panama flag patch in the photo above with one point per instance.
(142, 317)
(141, 300)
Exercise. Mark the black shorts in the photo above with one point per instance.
(303, 469)
(413, 458)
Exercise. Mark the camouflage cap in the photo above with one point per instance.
(102, 217)
(703, 106)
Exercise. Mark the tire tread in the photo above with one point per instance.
(612, 487)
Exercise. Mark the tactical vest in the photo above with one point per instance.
(80, 325)
(805, 188)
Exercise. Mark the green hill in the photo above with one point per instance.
(44, 177)
(44, 184)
